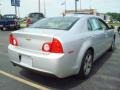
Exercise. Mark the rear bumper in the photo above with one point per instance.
(54, 64)
(7, 26)
(34, 70)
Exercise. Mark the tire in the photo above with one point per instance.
(1, 29)
(86, 65)
(112, 47)
(4, 29)
(15, 28)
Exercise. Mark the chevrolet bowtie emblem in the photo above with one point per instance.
(28, 38)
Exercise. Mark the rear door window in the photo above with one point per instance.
(95, 25)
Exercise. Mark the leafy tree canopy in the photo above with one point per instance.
(114, 16)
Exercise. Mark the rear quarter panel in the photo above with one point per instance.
(75, 45)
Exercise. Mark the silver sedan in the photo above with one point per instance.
(61, 46)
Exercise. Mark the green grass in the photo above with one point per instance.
(114, 24)
(22, 24)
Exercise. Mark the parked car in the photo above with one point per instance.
(61, 46)
(9, 21)
(33, 17)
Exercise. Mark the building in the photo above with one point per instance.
(89, 12)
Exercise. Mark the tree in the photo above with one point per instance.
(114, 16)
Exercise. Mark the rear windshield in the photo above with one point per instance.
(35, 15)
(9, 16)
(61, 23)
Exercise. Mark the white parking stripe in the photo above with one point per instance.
(108, 77)
(37, 86)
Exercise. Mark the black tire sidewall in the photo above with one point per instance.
(111, 47)
(82, 74)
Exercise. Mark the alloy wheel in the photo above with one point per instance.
(88, 64)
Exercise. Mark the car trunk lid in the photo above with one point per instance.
(33, 39)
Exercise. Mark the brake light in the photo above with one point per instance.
(13, 40)
(10, 39)
(15, 21)
(54, 47)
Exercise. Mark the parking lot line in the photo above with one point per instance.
(37, 86)
(108, 77)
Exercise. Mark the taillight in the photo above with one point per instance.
(10, 38)
(29, 21)
(54, 47)
(13, 40)
(46, 47)
(15, 21)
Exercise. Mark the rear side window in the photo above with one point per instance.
(95, 25)
(89, 26)
(59, 23)
(103, 24)
(10, 16)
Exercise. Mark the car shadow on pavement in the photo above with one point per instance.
(65, 83)
(100, 62)
(8, 30)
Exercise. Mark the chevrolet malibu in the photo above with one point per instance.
(61, 46)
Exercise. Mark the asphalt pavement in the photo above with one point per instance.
(105, 74)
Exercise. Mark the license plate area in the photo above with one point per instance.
(25, 60)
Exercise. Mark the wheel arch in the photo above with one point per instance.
(86, 46)
(92, 49)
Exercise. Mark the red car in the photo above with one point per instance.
(33, 17)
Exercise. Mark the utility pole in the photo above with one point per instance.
(76, 5)
(18, 11)
(80, 4)
(15, 3)
(44, 8)
(65, 6)
(15, 9)
(39, 6)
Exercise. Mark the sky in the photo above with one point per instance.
(55, 7)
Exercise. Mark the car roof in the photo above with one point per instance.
(81, 15)
(77, 16)
(85, 16)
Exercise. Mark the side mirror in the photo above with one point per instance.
(111, 27)
(118, 28)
